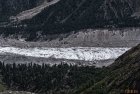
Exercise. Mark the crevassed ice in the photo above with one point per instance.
(73, 53)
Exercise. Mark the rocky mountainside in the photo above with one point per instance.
(28, 14)
(84, 13)
(123, 74)
(61, 16)
(13, 7)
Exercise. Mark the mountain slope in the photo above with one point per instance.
(28, 14)
(12, 7)
(63, 16)
(87, 12)
(122, 74)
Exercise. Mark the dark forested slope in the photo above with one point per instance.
(122, 75)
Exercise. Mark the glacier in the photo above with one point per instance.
(72, 53)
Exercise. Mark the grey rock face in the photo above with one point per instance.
(28, 14)
(74, 11)
(88, 11)
(13, 7)
(64, 16)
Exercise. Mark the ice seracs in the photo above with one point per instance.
(73, 53)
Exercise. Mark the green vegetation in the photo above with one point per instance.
(47, 79)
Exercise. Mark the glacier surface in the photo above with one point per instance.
(72, 53)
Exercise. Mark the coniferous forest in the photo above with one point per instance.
(56, 79)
